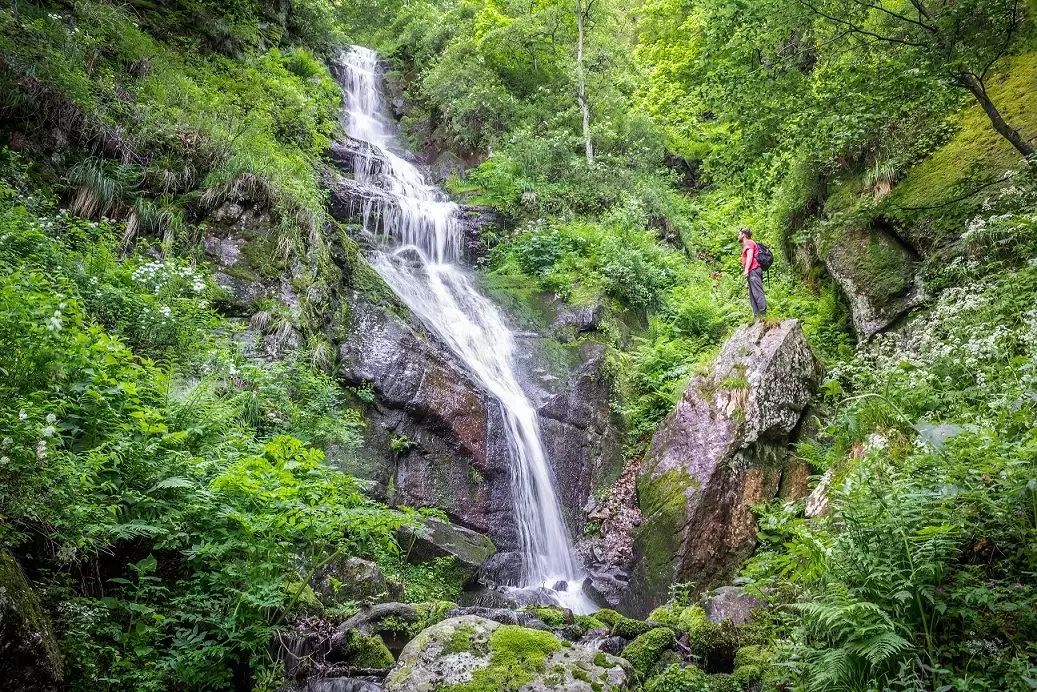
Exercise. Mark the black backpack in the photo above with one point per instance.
(764, 256)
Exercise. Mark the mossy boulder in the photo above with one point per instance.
(367, 651)
(437, 538)
(629, 628)
(474, 654)
(646, 651)
(877, 271)
(29, 655)
(347, 579)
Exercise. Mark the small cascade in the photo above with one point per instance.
(420, 259)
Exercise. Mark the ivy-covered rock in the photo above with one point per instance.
(645, 652)
(29, 656)
(473, 654)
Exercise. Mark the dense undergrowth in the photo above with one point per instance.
(168, 493)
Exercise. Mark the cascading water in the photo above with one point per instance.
(422, 264)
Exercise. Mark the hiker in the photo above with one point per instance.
(753, 269)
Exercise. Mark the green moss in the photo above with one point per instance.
(975, 155)
(662, 501)
(460, 640)
(260, 253)
(723, 682)
(23, 618)
(751, 664)
(552, 617)
(708, 639)
(367, 651)
(586, 623)
(431, 613)
(646, 650)
(668, 615)
(628, 628)
(517, 654)
(608, 616)
(693, 620)
(748, 676)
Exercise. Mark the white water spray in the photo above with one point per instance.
(424, 270)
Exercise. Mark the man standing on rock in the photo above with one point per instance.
(753, 272)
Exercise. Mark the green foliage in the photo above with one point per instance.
(211, 125)
(440, 580)
(181, 511)
(367, 651)
(679, 679)
(629, 628)
(920, 579)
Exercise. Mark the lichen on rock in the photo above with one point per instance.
(473, 654)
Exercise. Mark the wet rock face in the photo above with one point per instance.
(29, 656)
(722, 450)
(427, 413)
(486, 654)
(582, 435)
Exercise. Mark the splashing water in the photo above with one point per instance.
(424, 269)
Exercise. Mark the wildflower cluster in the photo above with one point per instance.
(159, 276)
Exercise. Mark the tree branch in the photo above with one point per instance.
(896, 15)
(858, 30)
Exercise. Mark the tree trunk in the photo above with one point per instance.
(581, 82)
(978, 89)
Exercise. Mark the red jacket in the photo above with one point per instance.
(749, 255)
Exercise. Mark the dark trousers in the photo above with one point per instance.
(756, 297)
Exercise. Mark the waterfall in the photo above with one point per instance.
(420, 259)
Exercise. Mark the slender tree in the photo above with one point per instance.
(583, 12)
(960, 41)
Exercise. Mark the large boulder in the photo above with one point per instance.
(877, 271)
(583, 434)
(437, 538)
(29, 656)
(484, 654)
(723, 449)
